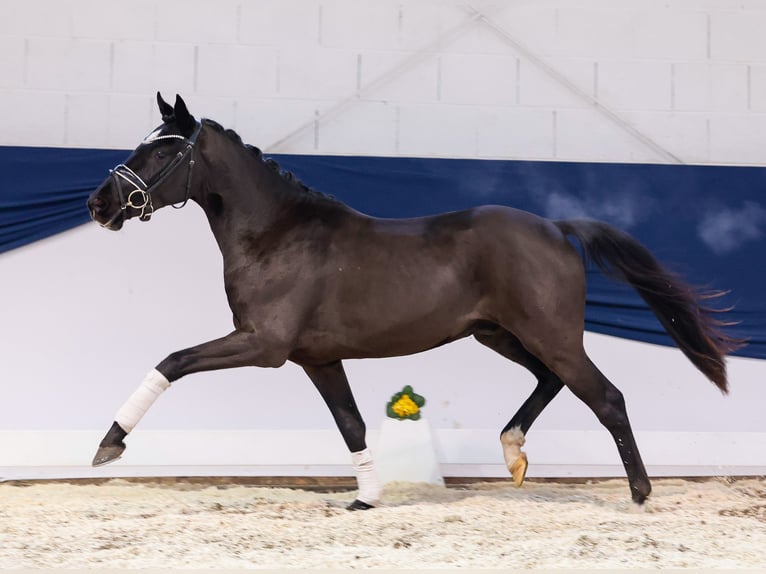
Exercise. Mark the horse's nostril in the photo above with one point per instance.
(98, 204)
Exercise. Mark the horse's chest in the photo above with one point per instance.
(258, 297)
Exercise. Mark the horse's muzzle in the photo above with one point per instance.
(105, 212)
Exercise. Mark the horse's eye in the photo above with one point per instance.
(159, 154)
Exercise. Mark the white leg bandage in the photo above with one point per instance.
(369, 487)
(512, 441)
(153, 385)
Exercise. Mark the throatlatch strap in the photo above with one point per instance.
(369, 487)
(153, 385)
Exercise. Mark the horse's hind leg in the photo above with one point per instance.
(331, 382)
(584, 379)
(512, 437)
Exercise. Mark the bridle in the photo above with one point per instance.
(140, 197)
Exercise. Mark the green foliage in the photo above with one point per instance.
(405, 404)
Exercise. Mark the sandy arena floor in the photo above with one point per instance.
(714, 523)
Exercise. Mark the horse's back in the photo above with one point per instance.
(398, 286)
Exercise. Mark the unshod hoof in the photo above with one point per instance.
(107, 454)
(359, 505)
(519, 469)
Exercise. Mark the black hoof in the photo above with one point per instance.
(640, 493)
(359, 505)
(107, 454)
(111, 447)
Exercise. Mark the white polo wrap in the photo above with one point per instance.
(153, 385)
(369, 487)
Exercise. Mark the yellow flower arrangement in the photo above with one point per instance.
(405, 405)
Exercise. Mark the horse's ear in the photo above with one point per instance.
(165, 109)
(184, 119)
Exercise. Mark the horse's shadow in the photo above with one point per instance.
(403, 494)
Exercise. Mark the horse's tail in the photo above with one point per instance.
(677, 305)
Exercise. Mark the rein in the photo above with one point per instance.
(140, 197)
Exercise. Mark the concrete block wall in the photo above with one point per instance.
(597, 80)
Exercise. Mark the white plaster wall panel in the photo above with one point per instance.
(256, 70)
(738, 36)
(221, 109)
(320, 74)
(634, 85)
(588, 129)
(110, 20)
(441, 26)
(145, 67)
(478, 80)
(363, 24)
(451, 17)
(711, 5)
(87, 120)
(729, 89)
(532, 23)
(477, 38)
(538, 88)
(511, 132)
(426, 130)
(131, 116)
(35, 18)
(668, 34)
(681, 133)
(738, 138)
(197, 21)
(711, 87)
(32, 117)
(12, 57)
(757, 92)
(300, 20)
(366, 128)
(66, 64)
(691, 86)
(137, 65)
(595, 32)
(419, 25)
(263, 122)
(409, 80)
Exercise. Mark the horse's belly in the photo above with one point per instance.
(385, 333)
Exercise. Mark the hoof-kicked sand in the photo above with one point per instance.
(713, 523)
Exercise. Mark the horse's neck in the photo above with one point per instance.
(242, 198)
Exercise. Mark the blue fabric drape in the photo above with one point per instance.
(706, 222)
(43, 190)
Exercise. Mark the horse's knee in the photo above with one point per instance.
(175, 364)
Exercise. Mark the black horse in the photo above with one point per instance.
(314, 282)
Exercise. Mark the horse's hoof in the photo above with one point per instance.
(107, 454)
(519, 469)
(359, 505)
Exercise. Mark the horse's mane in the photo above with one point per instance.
(271, 163)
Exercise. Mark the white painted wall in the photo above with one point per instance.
(85, 314)
(611, 80)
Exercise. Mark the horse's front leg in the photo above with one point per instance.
(331, 382)
(238, 349)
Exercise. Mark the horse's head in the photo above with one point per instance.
(158, 173)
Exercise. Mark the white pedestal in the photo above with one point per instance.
(405, 453)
